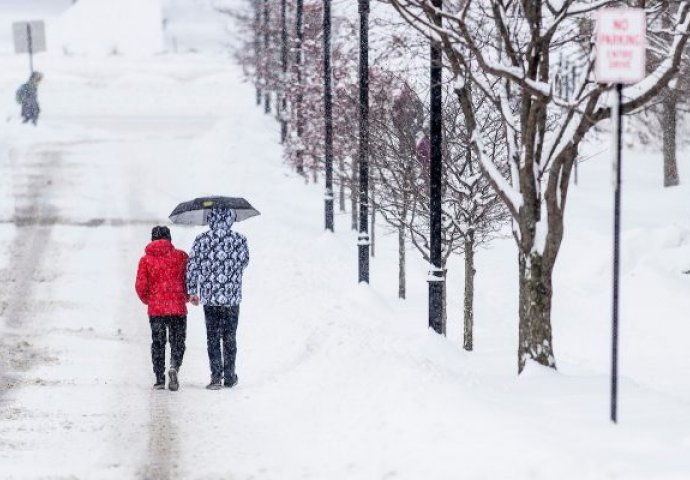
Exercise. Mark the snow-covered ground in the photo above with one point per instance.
(337, 380)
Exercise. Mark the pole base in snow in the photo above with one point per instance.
(437, 283)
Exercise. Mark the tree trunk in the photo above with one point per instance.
(468, 342)
(257, 51)
(669, 122)
(354, 198)
(444, 296)
(536, 291)
(372, 229)
(401, 261)
(343, 183)
(267, 102)
(267, 51)
(669, 101)
(341, 193)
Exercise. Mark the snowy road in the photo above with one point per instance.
(45, 324)
(26, 254)
(76, 372)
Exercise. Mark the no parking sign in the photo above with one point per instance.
(621, 43)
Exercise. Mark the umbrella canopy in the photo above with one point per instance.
(195, 212)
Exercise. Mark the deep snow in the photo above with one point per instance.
(105, 27)
(337, 380)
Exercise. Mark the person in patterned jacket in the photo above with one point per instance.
(214, 279)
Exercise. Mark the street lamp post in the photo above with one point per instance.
(437, 274)
(284, 65)
(299, 13)
(363, 237)
(328, 114)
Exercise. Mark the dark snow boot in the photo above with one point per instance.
(214, 385)
(160, 383)
(172, 382)
(232, 381)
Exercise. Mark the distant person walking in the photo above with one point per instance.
(27, 97)
(160, 284)
(214, 279)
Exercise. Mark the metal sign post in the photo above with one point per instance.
(29, 37)
(621, 42)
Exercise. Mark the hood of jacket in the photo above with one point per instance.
(220, 220)
(159, 248)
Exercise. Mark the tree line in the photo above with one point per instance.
(519, 99)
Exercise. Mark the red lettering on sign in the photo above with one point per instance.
(620, 24)
(620, 64)
(620, 39)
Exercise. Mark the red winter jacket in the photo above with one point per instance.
(160, 280)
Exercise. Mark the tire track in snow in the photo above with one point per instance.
(32, 181)
(163, 455)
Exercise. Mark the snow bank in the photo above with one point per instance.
(106, 27)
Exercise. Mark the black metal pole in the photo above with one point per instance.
(616, 250)
(284, 65)
(437, 274)
(30, 44)
(328, 113)
(299, 13)
(363, 237)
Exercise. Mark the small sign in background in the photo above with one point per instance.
(21, 37)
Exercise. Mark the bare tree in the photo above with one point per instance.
(504, 48)
(397, 117)
(470, 203)
(663, 114)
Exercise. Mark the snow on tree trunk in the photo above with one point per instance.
(468, 340)
(669, 124)
(536, 291)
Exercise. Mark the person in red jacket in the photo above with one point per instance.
(160, 284)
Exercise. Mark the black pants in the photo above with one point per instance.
(221, 325)
(177, 328)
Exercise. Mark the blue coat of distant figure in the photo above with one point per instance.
(217, 260)
(27, 97)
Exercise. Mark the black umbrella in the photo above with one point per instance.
(195, 212)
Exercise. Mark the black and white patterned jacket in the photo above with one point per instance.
(217, 260)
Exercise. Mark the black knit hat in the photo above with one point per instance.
(160, 233)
